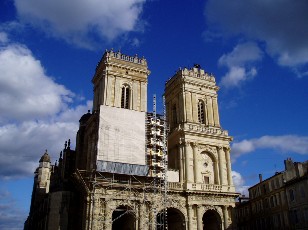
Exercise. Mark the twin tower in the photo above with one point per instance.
(139, 170)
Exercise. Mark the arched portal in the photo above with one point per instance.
(211, 220)
(123, 218)
(175, 220)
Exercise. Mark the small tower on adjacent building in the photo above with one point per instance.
(43, 173)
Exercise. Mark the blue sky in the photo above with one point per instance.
(257, 49)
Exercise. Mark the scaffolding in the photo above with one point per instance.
(133, 194)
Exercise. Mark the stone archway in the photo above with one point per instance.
(123, 218)
(175, 220)
(211, 220)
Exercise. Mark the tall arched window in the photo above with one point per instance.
(125, 97)
(201, 112)
(174, 115)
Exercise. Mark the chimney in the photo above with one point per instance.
(260, 177)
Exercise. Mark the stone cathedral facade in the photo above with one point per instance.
(177, 176)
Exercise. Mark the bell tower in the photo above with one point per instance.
(198, 147)
(121, 81)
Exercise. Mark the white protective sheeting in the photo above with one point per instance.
(121, 136)
(173, 176)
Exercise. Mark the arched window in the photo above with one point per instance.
(291, 195)
(174, 115)
(125, 97)
(201, 112)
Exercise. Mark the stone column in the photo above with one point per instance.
(221, 164)
(183, 99)
(188, 106)
(117, 93)
(142, 217)
(216, 172)
(199, 217)
(110, 91)
(215, 112)
(210, 110)
(181, 161)
(194, 106)
(143, 97)
(190, 217)
(225, 213)
(88, 211)
(152, 217)
(134, 95)
(189, 173)
(108, 216)
(196, 165)
(229, 166)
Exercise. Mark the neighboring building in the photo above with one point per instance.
(279, 202)
(124, 175)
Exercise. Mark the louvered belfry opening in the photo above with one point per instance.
(125, 97)
(201, 111)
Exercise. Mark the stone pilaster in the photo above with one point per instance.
(182, 163)
(215, 112)
(229, 174)
(188, 168)
(225, 214)
(194, 106)
(188, 106)
(210, 110)
(199, 217)
(221, 164)
(197, 174)
(143, 92)
(190, 217)
(118, 91)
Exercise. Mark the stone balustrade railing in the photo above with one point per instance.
(209, 130)
(200, 187)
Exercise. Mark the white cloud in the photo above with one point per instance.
(25, 90)
(35, 112)
(281, 27)
(239, 183)
(76, 20)
(286, 143)
(239, 63)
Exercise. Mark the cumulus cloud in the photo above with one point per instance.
(239, 183)
(240, 63)
(286, 143)
(76, 20)
(25, 90)
(281, 27)
(35, 111)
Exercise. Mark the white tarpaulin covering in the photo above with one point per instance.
(121, 136)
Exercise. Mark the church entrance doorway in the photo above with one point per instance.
(211, 220)
(123, 218)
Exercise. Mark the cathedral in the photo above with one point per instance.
(135, 169)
